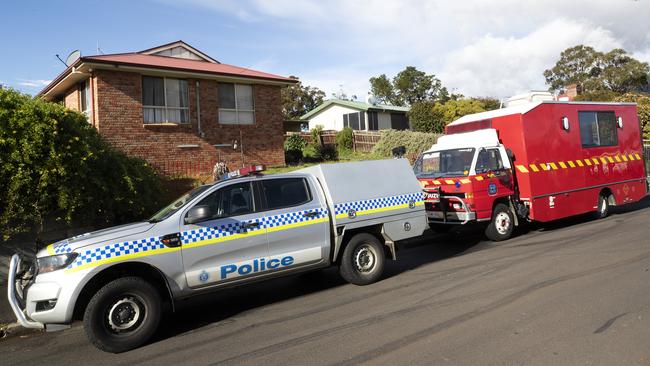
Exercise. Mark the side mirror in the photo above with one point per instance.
(198, 214)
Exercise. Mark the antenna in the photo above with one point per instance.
(63, 62)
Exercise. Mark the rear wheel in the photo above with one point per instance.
(362, 261)
(502, 224)
(603, 206)
(122, 315)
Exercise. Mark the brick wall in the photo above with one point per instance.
(120, 120)
(71, 98)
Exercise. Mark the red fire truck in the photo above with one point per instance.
(540, 161)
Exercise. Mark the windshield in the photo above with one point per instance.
(178, 204)
(444, 163)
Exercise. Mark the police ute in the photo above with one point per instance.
(244, 228)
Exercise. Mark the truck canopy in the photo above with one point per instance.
(369, 189)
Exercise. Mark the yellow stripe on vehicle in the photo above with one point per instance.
(465, 181)
(437, 182)
(553, 166)
(580, 163)
(603, 160)
(522, 169)
(546, 167)
(449, 181)
(122, 258)
(617, 158)
(380, 209)
(624, 157)
(637, 156)
(571, 164)
(562, 165)
(596, 162)
(50, 249)
(534, 168)
(611, 160)
(479, 178)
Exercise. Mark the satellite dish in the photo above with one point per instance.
(370, 99)
(72, 57)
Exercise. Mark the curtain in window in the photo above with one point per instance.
(153, 91)
(226, 95)
(244, 95)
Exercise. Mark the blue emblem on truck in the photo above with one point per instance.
(492, 189)
(203, 276)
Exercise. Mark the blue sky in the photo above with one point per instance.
(476, 47)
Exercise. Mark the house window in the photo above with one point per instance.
(356, 120)
(373, 121)
(598, 129)
(236, 105)
(164, 100)
(84, 98)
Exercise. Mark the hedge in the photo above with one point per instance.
(53, 163)
(415, 142)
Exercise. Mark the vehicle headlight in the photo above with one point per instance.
(55, 262)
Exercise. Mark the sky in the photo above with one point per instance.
(478, 48)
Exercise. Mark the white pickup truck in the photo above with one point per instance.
(248, 228)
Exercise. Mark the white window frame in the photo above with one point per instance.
(166, 108)
(237, 109)
(84, 93)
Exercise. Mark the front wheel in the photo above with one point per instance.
(362, 261)
(502, 224)
(122, 315)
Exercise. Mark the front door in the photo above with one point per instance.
(297, 223)
(227, 246)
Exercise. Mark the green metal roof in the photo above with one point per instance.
(360, 106)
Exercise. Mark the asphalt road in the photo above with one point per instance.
(570, 293)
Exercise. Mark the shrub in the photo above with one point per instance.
(315, 134)
(54, 164)
(415, 142)
(294, 142)
(293, 146)
(345, 139)
(326, 152)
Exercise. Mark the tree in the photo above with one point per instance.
(434, 116)
(643, 108)
(592, 71)
(298, 100)
(408, 87)
(54, 164)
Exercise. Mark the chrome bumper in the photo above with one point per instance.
(452, 217)
(12, 297)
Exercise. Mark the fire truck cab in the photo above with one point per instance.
(535, 160)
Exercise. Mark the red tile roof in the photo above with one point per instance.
(173, 63)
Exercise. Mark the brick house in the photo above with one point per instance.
(177, 108)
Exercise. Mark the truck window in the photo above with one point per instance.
(231, 200)
(454, 162)
(488, 160)
(285, 192)
(598, 129)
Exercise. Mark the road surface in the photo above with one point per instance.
(569, 293)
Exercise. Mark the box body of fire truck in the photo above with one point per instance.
(535, 161)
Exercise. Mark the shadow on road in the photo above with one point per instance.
(222, 305)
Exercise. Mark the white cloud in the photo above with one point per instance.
(501, 66)
(37, 83)
(480, 47)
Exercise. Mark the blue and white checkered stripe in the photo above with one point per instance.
(371, 204)
(62, 247)
(116, 250)
(191, 236)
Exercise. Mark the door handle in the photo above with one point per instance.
(249, 225)
(171, 240)
(310, 214)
